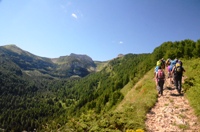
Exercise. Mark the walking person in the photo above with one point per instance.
(178, 73)
(160, 80)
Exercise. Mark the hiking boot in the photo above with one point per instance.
(159, 94)
(179, 91)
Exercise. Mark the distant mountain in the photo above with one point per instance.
(62, 67)
(74, 64)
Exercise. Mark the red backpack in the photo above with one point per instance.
(160, 74)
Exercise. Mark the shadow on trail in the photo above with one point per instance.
(169, 88)
(176, 95)
(173, 94)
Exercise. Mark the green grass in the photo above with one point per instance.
(138, 101)
(182, 116)
(171, 100)
(166, 104)
(100, 65)
(183, 126)
(192, 83)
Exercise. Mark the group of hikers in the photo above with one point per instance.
(174, 69)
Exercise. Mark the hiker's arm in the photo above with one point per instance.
(172, 70)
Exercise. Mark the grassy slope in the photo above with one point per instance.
(192, 83)
(100, 65)
(138, 100)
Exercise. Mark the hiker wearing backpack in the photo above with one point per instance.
(162, 63)
(178, 73)
(168, 62)
(155, 72)
(160, 79)
(159, 62)
(169, 74)
(171, 66)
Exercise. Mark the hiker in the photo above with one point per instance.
(159, 62)
(171, 66)
(162, 63)
(167, 65)
(155, 72)
(177, 71)
(168, 62)
(169, 70)
(160, 79)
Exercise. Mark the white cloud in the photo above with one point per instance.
(121, 42)
(67, 8)
(117, 42)
(74, 15)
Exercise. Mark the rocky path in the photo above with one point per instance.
(172, 113)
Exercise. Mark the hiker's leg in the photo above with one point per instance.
(179, 85)
(157, 86)
(161, 87)
(168, 74)
(176, 83)
(170, 78)
(175, 80)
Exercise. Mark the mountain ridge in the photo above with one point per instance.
(64, 66)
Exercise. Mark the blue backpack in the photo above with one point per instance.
(156, 69)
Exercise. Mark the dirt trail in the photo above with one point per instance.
(172, 113)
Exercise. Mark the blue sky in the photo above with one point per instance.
(101, 29)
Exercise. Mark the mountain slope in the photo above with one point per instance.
(29, 89)
(66, 66)
(24, 59)
(74, 64)
(129, 114)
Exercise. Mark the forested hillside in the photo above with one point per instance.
(46, 104)
(62, 67)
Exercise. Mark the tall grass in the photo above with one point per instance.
(138, 101)
(191, 86)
